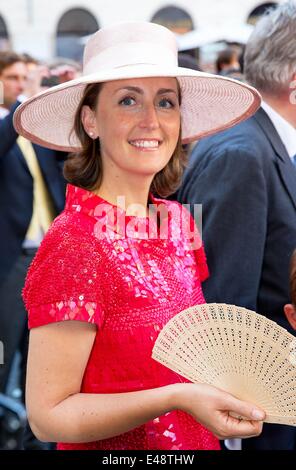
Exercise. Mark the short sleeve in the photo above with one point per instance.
(64, 281)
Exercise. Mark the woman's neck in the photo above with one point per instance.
(130, 196)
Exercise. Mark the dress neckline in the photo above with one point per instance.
(81, 198)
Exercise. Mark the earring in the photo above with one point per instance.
(91, 134)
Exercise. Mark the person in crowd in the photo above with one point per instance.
(31, 195)
(245, 179)
(227, 62)
(290, 308)
(188, 61)
(64, 69)
(112, 271)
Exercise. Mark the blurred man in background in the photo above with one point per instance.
(32, 191)
(227, 62)
(245, 178)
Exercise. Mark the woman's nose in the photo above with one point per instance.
(149, 117)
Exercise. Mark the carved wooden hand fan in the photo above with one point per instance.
(236, 350)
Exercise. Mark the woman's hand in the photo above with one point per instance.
(59, 412)
(213, 408)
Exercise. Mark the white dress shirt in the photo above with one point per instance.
(284, 129)
(3, 112)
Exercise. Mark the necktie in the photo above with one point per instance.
(43, 211)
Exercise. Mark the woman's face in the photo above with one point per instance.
(138, 124)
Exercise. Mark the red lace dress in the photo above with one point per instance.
(129, 285)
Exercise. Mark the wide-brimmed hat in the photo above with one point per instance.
(210, 103)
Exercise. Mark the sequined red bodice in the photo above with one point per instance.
(129, 286)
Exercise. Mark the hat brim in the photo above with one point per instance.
(210, 104)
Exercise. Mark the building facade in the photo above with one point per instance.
(46, 29)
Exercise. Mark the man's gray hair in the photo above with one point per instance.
(270, 56)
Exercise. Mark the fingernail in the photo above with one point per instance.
(257, 414)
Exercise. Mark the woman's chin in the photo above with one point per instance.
(148, 172)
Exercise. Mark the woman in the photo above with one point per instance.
(116, 275)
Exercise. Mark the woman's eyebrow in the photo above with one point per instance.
(166, 90)
(161, 91)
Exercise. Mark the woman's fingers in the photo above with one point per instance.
(234, 427)
(242, 409)
(219, 411)
(240, 419)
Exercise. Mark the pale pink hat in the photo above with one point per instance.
(210, 103)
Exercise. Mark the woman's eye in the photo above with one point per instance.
(166, 103)
(127, 101)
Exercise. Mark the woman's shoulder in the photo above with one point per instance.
(67, 231)
(66, 252)
(187, 228)
(176, 210)
(181, 215)
(167, 202)
(63, 280)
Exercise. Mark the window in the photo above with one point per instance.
(4, 40)
(73, 25)
(259, 11)
(174, 18)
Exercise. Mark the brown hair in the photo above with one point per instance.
(225, 57)
(84, 169)
(28, 59)
(293, 278)
(8, 58)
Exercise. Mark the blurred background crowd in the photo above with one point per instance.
(52, 32)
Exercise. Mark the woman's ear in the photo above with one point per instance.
(290, 313)
(88, 119)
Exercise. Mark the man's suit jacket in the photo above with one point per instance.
(16, 191)
(246, 182)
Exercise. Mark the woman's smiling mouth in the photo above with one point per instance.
(145, 144)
